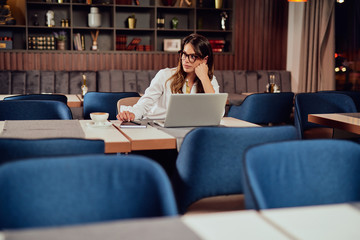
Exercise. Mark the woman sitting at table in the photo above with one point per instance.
(194, 74)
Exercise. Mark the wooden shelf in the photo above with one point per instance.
(114, 23)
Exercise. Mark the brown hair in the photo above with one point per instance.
(202, 49)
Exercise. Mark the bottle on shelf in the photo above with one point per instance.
(160, 22)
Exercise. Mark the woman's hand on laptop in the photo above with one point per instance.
(125, 116)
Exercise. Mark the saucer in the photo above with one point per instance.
(105, 125)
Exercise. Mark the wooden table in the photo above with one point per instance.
(349, 122)
(149, 138)
(233, 122)
(114, 141)
(152, 138)
(234, 225)
(74, 100)
(339, 221)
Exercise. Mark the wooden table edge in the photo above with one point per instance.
(155, 144)
(117, 147)
(334, 123)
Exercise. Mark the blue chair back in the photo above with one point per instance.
(302, 173)
(34, 110)
(265, 108)
(15, 149)
(355, 96)
(104, 102)
(210, 160)
(54, 97)
(82, 189)
(311, 103)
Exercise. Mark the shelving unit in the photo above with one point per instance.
(201, 17)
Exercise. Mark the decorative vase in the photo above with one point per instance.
(131, 22)
(174, 23)
(60, 45)
(94, 17)
(218, 4)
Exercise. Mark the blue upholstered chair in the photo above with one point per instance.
(15, 149)
(54, 97)
(104, 102)
(302, 173)
(264, 108)
(355, 96)
(82, 189)
(210, 160)
(33, 110)
(311, 103)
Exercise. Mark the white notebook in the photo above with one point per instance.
(193, 110)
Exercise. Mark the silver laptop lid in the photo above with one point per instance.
(192, 110)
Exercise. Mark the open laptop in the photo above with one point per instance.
(193, 110)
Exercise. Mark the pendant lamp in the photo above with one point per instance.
(297, 0)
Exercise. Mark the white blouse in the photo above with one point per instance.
(154, 102)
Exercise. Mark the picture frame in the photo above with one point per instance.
(172, 45)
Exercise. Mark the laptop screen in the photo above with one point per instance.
(191, 110)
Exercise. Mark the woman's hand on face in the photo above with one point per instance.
(125, 116)
(202, 70)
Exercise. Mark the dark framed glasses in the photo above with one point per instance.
(191, 57)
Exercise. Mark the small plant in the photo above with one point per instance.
(60, 36)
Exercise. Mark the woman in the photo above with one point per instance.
(194, 74)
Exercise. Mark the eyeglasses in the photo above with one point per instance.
(191, 57)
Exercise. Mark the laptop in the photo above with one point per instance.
(194, 110)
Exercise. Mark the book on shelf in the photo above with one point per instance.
(82, 42)
(120, 42)
(78, 44)
(133, 44)
(143, 48)
(217, 45)
(125, 2)
(218, 49)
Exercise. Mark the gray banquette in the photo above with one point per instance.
(68, 82)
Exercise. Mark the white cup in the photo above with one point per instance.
(99, 118)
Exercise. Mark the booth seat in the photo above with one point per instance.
(237, 83)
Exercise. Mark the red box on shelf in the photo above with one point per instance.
(6, 44)
(6, 41)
